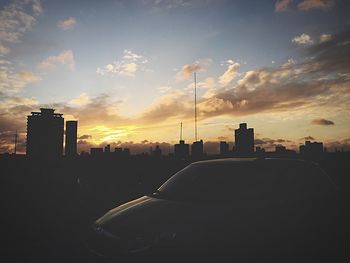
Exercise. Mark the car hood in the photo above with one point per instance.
(153, 215)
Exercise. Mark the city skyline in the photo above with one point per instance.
(47, 138)
(281, 66)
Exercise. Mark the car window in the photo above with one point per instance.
(248, 181)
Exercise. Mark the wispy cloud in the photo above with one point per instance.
(67, 24)
(15, 20)
(307, 138)
(13, 82)
(282, 5)
(187, 70)
(230, 73)
(322, 122)
(128, 65)
(292, 86)
(81, 100)
(325, 38)
(303, 39)
(65, 58)
(307, 5)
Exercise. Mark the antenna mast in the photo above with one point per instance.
(181, 132)
(195, 105)
(16, 136)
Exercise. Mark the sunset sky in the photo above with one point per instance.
(124, 70)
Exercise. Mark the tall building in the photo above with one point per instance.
(244, 140)
(182, 150)
(45, 134)
(224, 148)
(311, 148)
(197, 149)
(71, 138)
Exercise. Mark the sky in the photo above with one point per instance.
(124, 70)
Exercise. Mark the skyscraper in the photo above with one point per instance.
(244, 140)
(182, 150)
(45, 134)
(197, 149)
(71, 138)
(224, 148)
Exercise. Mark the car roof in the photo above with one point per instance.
(234, 161)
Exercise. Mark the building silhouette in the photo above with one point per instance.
(244, 140)
(45, 131)
(280, 149)
(181, 150)
(259, 150)
(107, 148)
(197, 149)
(157, 152)
(96, 151)
(224, 148)
(311, 148)
(71, 138)
(120, 152)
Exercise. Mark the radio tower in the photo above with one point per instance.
(16, 136)
(181, 131)
(195, 105)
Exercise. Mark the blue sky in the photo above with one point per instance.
(126, 67)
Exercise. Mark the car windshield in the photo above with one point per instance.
(226, 182)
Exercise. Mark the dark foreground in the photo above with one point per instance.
(47, 206)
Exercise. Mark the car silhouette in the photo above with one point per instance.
(248, 209)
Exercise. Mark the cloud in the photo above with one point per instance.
(127, 66)
(282, 5)
(303, 39)
(37, 7)
(325, 38)
(85, 137)
(13, 82)
(307, 138)
(324, 5)
(320, 81)
(270, 144)
(175, 103)
(229, 74)
(15, 20)
(160, 5)
(188, 70)
(81, 100)
(67, 24)
(339, 145)
(322, 122)
(65, 58)
(129, 55)
(164, 89)
(13, 111)
(331, 56)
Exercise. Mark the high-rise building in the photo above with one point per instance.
(182, 150)
(244, 140)
(311, 148)
(197, 149)
(224, 148)
(45, 134)
(71, 138)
